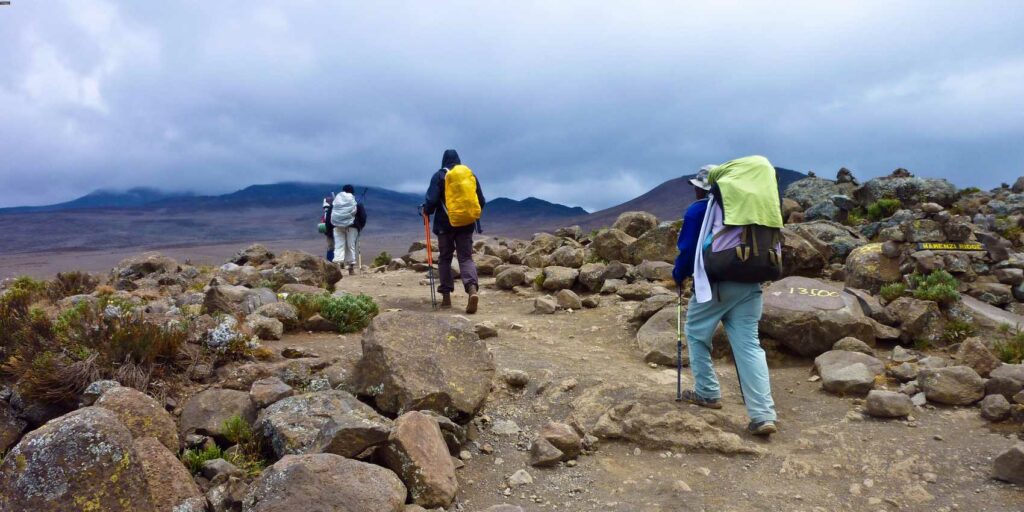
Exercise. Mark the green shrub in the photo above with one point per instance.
(939, 286)
(538, 282)
(957, 330)
(1011, 350)
(249, 455)
(856, 217)
(67, 284)
(352, 313)
(382, 259)
(969, 191)
(883, 208)
(892, 291)
(193, 459)
(307, 304)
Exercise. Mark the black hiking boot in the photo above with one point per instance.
(762, 428)
(446, 300)
(351, 270)
(691, 396)
(474, 300)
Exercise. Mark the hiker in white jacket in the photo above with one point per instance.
(343, 217)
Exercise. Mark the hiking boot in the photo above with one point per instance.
(351, 270)
(691, 396)
(762, 428)
(446, 300)
(474, 300)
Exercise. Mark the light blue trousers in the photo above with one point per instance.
(738, 307)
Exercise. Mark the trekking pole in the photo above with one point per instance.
(679, 342)
(430, 259)
(359, 236)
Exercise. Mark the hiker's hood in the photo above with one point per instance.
(450, 159)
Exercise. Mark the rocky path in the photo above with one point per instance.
(828, 455)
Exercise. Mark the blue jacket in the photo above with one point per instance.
(688, 240)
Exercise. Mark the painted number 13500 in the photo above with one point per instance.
(813, 292)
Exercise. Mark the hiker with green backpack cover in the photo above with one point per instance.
(730, 243)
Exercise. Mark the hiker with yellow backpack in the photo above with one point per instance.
(456, 201)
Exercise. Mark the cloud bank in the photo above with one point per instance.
(585, 103)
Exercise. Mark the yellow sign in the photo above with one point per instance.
(950, 246)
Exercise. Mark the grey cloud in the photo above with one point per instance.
(579, 102)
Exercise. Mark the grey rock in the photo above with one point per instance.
(904, 372)
(325, 482)
(330, 421)
(567, 299)
(995, 408)
(953, 385)
(544, 454)
(888, 404)
(809, 316)
(545, 305)
(265, 392)
(635, 223)
(851, 344)
(974, 353)
(515, 378)
(1009, 465)
(206, 412)
(847, 373)
(559, 278)
(11, 427)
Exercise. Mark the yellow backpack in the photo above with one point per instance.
(461, 201)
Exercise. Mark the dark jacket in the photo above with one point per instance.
(434, 201)
(360, 221)
(688, 242)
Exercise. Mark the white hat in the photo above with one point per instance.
(701, 180)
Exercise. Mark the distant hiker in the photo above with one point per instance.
(730, 243)
(348, 218)
(456, 201)
(325, 226)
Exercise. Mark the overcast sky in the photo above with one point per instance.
(587, 103)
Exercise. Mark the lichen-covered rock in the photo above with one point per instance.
(144, 265)
(84, 460)
(269, 390)
(325, 482)
(254, 255)
(282, 312)
(510, 278)
(143, 415)
(635, 224)
(417, 452)
(592, 276)
(416, 361)
(812, 190)
(235, 300)
(321, 422)
(170, 484)
(800, 257)
(919, 320)
(206, 412)
(909, 190)
(567, 256)
(833, 240)
(265, 328)
(974, 353)
(868, 269)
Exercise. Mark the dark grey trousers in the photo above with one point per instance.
(456, 242)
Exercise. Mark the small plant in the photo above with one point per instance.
(193, 459)
(922, 344)
(856, 217)
(306, 304)
(883, 208)
(538, 282)
(248, 455)
(1005, 328)
(352, 313)
(1011, 350)
(957, 330)
(892, 291)
(969, 191)
(939, 286)
(382, 259)
(67, 284)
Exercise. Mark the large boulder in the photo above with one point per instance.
(808, 316)
(84, 460)
(974, 353)
(235, 300)
(145, 265)
(655, 270)
(848, 373)
(909, 190)
(919, 320)
(559, 278)
(592, 276)
(868, 269)
(635, 224)
(988, 318)
(812, 190)
(800, 257)
(418, 453)
(567, 256)
(171, 487)
(657, 338)
(1009, 465)
(658, 244)
(206, 412)
(414, 361)
(143, 415)
(321, 422)
(254, 255)
(635, 412)
(833, 240)
(325, 482)
(611, 244)
(952, 385)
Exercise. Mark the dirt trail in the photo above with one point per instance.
(824, 458)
